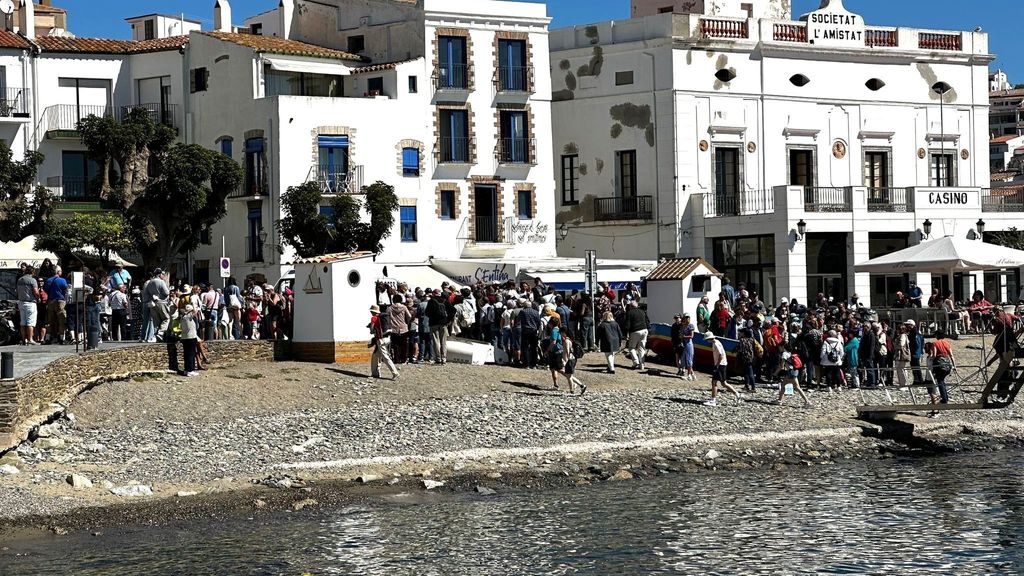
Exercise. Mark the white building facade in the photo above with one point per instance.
(784, 152)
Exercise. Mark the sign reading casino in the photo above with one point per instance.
(834, 26)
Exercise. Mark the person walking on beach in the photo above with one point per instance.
(686, 333)
(571, 353)
(609, 336)
(721, 371)
(790, 365)
(941, 355)
(556, 350)
(637, 326)
(381, 346)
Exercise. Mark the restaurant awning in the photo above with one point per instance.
(945, 256)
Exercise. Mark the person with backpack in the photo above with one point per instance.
(437, 316)
(790, 366)
(852, 361)
(811, 353)
(746, 353)
(772, 348)
(555, 350)
(832, 354)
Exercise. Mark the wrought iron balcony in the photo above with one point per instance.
(630, 208)
(742, 203)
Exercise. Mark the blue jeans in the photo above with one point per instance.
(940, 380)
(426, 353)
(748, 376)
(148, 329)
(871, 379)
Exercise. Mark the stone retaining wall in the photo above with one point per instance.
(24, 400)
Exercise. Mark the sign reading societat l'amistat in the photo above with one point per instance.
(833, 25)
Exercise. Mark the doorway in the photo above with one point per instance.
(827, 270)
(486, 214)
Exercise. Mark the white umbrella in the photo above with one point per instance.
(945, 256)
(13, 254)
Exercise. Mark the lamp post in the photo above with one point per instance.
(563, 232)
(981, 229)
(941, 88)
(262, 235)
(801, 229)
(927, 228)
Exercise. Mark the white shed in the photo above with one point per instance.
(676, 286)
(333, 295)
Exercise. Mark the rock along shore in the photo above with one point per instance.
(290, 436)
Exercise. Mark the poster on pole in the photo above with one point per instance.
(591, 272)
(225, 267)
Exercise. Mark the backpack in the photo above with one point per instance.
(465, 315)
(746, 351)
(832, 352)
(437, 313)
(758, 350)
(795, 360)
(577, 349)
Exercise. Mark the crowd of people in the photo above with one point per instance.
(529, 325)
(115, 307)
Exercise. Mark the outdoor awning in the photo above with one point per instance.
(12, 254)
(419, 276)
(944, 256)
(309, 67)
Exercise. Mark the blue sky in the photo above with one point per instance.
(1000, 18)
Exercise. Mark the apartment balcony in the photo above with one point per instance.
(1002, 200)
(255, 189)
(515, 151)
(334, 182)
(513, 80)
(631, 208)
(452, 78)
(61, 120)
(72, 189)
(165, 114)
(742, 203)
(15, 105)
(828, 199)
(455, 151)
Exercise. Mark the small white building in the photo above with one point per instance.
(677, 286)
(153, 26)
(1006, 153)
(784, 151)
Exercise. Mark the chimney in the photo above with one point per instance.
(222, 16)
(27, 19)
(285, 10)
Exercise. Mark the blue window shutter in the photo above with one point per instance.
(225, 146)
(332, 141)
(411, 159)
(253, 145)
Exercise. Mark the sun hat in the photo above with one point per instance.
(710, 336)
(374, 309)
(911, 323)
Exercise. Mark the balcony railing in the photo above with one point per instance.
(1010, 200)
(72, 189)
(251, 189)
(454, 150)
(631, 208)
(253, 249)
(789, 32)
(890, 200)
(744, 203)
(513, 79)
(722, 28)
(937, 41)
(14, 102)
(515, 150)
(334, 182)
(828, 199)
(876, 37)
(451, 77)
(486, 230)
(166, 114)
(65, 117)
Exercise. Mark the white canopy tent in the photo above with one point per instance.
(945, 256)
(12, 254)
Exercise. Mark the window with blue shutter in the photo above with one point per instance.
(410, 162)
(407, 217)
(226, 146)
(525, 202)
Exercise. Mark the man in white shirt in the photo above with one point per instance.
(721, 372)
(118, 301)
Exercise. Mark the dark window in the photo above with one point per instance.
(801, 167)
(375, 86)
(77, 175)
(413, 84)
(725, 75)
(256, 29)
(874, 84)
(512, 68)
(666, 10)
(515, 143)
(356, 44)
(410, 162)
(525, 200)
(279, 83)
(454, 136)
(750, 260)
(943, 169)
(570, 179)
(254, 248)
(150, 32)
(623, 78)
(626, 163)
(254, 167)
(407, 215)
(226, 146)
(447, 204)
(876, 169)
(727, 172)
(199, 80)
(451, 57)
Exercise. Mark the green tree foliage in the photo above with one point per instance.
(168, 193)
(24, 209)
(102, 231)
(311, 233)
(1011, 238)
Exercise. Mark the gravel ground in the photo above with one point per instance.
(237, 423)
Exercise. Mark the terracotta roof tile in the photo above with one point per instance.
(1013, 92)
(1003, 139)
(12, 40)
(328, 258)
(679, 269)
(273, 45)
(379, 67)
(106, 46)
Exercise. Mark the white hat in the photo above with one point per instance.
(911, 323)
(710, 336)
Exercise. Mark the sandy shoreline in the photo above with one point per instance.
(203, 445)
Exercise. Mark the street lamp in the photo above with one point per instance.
(262, 235)
(927, 227)
(563, 231)
(981, 229)
(801, 229)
